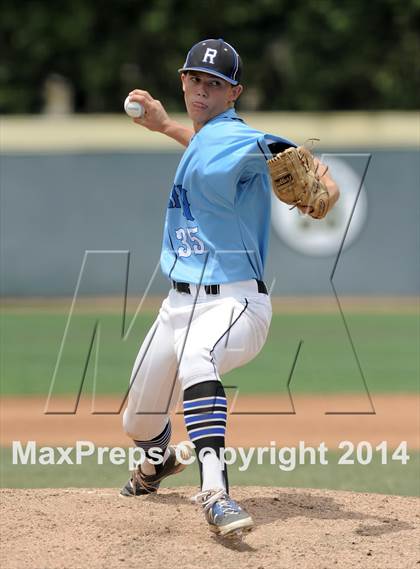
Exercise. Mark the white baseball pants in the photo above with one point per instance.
(196, 337)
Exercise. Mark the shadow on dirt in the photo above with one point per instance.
(289, 505)
(269, 509)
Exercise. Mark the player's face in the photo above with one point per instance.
(206, 96)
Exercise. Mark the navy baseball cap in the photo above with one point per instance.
(216, 57)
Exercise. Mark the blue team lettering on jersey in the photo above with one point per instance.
(223, 178)
(177, 193)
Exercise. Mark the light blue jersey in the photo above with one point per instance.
(218, 218)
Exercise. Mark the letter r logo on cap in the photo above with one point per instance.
(209, 55)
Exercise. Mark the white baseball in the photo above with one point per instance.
(133, 108)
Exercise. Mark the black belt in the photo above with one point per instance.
(214, 288)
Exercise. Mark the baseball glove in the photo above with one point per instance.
(295, 181)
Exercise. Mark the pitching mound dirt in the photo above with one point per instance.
(73, 528)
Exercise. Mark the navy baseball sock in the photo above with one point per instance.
(205, 414)
(161, 442)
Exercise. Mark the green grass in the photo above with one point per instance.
(387, 348)
(392, 478)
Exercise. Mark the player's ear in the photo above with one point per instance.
(183, 79)
(236, 92)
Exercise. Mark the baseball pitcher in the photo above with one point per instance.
(217, 313)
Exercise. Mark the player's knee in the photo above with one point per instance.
(196, 366)
(142, 427)
(130, 425)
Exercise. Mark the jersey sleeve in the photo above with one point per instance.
(261, 149)
(231, 152)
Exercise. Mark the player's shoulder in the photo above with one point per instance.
(231, 126)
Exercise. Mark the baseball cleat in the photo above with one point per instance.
(140, 484)
(224, 516)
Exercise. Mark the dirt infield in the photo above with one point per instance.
(281, 304)
(396, 419)
(72, 529)
(76, 528)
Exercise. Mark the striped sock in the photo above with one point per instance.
(205, 415)
(161, 441)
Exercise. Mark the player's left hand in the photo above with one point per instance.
(322, 173)
(299, 179)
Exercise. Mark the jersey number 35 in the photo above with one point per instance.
(190, 242)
